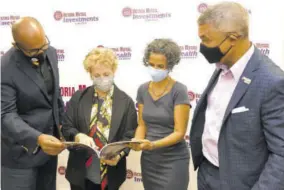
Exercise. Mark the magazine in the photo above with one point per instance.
(108, 152)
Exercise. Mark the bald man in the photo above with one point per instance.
(31, 110)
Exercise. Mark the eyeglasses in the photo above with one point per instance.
(34, 51)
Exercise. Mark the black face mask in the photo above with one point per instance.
(213, 54)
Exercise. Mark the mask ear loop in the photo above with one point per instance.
(223, 40)
(228, 49)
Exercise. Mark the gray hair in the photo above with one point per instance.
(227, 17)
(166, 47)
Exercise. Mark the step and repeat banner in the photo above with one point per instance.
(126, 26)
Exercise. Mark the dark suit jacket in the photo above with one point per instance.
(77, 119)
(251, 143)
(26, 110)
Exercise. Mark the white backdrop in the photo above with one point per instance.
(75, 27)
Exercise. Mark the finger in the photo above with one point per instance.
(53, 144)
(52, 138)
(106, 162)
(53, 150)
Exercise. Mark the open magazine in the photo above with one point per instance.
(109, 151)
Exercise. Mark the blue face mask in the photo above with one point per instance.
(157, 74)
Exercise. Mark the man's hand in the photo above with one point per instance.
(50, 145)
(112, 162)
(84, 139)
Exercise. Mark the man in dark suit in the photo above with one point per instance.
(237, 132)
(31, 110)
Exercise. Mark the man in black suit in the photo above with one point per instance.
(31, 110)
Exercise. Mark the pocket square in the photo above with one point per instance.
(240, 109)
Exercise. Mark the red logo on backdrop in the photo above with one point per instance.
(68, 91)
(202, 7)
(122, 52)
(61, 170)
(147, 14)
(8, 20)
(60, 54)
(264, 48)
(2, 53)
(129, 174)
(127, 12)
(191, 95)
(189, 51)
(58, 15)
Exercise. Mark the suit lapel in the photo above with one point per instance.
(207, 90)
(54, 73)
(118, 106)
(26, 67)
(243, 84)
(86, 107)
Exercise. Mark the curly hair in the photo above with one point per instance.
(100, 56)
(166, 47)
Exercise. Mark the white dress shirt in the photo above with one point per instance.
(217, 103)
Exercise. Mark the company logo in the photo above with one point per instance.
(62, 170)
(60, 54)
(68, 91)
(74, 17)
(202, 7)
(127, 12)
(8, 20)
(189, 52)
(187, 141)
(137, 177)
(129, 174)
(122, 53)
(2, 53)
(264, 48)
(147, 14)
(193, 96)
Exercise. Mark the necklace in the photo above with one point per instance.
(163, 92)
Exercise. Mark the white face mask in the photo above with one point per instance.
(157, 74)
(103, 83)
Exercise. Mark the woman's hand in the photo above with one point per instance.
(84, 139)
(135, 146)
(111, 162)
(146, 145)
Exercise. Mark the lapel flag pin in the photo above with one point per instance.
(246, 80)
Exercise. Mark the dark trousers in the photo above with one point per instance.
(40, 178)
(208, 177)
(89, 186)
